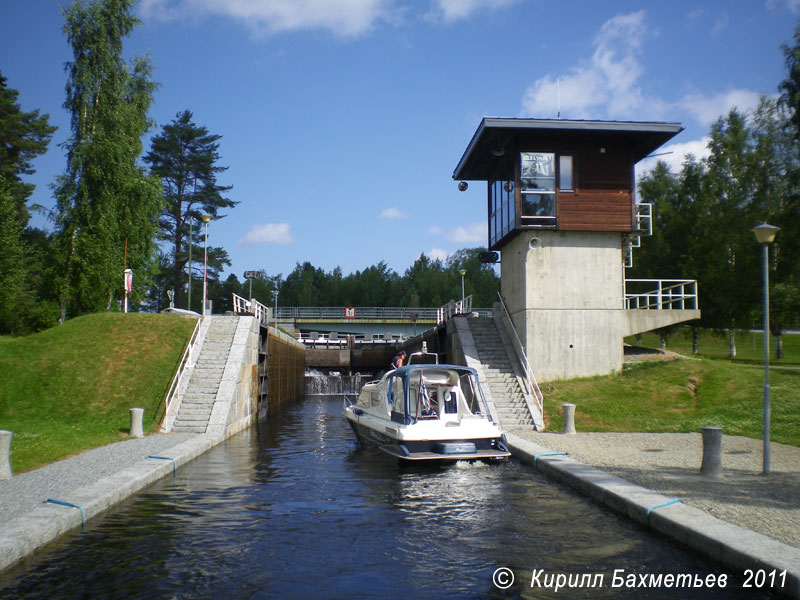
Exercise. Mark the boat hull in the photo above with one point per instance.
(486, 449)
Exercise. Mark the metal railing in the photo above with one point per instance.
(356, 312)
(185, 360)
(242, 306)
(531, 385)
(661, 294)
(315, 339)
(454, 308)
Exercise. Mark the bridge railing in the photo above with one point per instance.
(355, 312)
(661, 294)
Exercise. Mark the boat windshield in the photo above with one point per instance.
(436, 393)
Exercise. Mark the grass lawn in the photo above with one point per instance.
(711, 344)
(70, 388)
(681, 396)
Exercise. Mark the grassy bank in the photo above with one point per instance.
(70, 388)
(714, 344)
(681, 395)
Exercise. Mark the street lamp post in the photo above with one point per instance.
(275, 315)
(205, 219)
(765, 234)
(189, 300)
(462, 272)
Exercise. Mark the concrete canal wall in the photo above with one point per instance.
(281, 371)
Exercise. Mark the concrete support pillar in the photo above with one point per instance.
(5, 454)
(569, 418)
(136, 422)
(712, 452)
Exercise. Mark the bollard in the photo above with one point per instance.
(712, 452)
(569, 418)
(5, 454)
(136, 422)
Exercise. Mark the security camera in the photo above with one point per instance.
(462, 186)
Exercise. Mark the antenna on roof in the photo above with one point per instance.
(558, 95)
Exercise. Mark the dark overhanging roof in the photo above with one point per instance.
(489, 142)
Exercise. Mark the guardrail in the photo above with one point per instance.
(356, 312)
(242, 306)
(661, 294)
(454, 308)
(185, 360)
(531, 385)
(335, 340)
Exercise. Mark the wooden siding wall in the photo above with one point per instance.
(602, 200)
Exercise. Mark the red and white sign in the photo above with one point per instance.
(349, 312)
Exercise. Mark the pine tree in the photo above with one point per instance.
(23, 137)
(185, 156)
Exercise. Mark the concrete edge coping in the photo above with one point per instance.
(734, 547)
(24, 535)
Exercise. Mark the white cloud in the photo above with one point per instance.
(392, 213)
(707, 109)
(437, 254)
(721, 24)
(472, 234)
(343, 18)
(792, 5)
(435, 230)
(675, 155)
(605, 84)
(270, 233)
(449, 11)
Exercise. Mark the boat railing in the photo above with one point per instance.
(529, 380)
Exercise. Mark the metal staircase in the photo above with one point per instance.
(504, 385)
(201, 392)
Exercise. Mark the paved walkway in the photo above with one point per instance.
(92, 482)
(669, 463)
(26, 491)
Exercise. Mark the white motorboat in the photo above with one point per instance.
(422, 412)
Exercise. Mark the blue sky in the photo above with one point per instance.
(342, 120)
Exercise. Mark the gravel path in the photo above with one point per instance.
(669, 463)
(26, 491)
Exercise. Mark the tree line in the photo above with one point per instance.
(120, 206)
(703, 215)
(426, 283)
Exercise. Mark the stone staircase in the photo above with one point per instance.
(505, 389)
(201, 393)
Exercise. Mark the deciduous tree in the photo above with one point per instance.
(107, 205)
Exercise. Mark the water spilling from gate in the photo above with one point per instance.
(335, 382)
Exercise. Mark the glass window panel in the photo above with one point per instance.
(538, 171)
(565, 173)
(538, 205)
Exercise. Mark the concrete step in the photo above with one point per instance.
(188, 429)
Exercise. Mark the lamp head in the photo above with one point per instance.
(205, 218)
(462, 272)
(765, 234)
(462, 186)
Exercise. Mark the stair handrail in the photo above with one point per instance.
(185, 360)
(529, 379)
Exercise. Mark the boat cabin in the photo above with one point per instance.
(427, 392)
